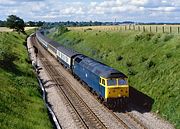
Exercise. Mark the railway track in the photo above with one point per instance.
(82, 114)
(129, 120)
(80, 111)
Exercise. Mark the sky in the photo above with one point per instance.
(92, 10)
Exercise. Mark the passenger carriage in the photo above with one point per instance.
(65, 56)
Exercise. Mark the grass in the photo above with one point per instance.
(21, 104)
(151, 61)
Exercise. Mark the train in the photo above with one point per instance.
(110, 85)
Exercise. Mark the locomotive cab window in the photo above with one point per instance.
(122, 82)
(78, 60)
(112, 82)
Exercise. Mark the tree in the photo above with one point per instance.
(16, 23)
(40, 23)
(62, 29)
(31, 23)
(2, 23)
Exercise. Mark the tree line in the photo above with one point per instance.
(17, 24)
(29, 23)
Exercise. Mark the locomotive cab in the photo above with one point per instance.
(115, 87)
(116, 91)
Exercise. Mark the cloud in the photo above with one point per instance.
(60, 10)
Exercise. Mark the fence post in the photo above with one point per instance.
(156, 29)
(139, 28)
(163, 29)
(178, 30)
(129, 27)
(170, 29)
(125, 27)
(144, 29)
(150, 28)
(133, 27)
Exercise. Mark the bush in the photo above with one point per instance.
(178, 46)
(62, 29)
(6, 57)
(119, 58)
(131, 72)
(166, 37)
(129, 64)
(150, 64)
(144, 36)
(143, 59)
(168, 55)
(89, 29)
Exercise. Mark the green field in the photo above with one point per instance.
(21, 104)
(151, 61)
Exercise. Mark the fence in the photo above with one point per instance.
(175, 29)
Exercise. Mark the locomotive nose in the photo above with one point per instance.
(117, 92)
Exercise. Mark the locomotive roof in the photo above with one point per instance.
(101, 69)
(67, 51)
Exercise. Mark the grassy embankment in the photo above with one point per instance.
(151, 61)
(21, 104)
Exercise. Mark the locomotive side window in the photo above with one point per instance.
(103, 81)
(111, 82)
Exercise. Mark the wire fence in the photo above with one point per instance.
(174, 29)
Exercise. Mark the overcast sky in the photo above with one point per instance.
(94, 10)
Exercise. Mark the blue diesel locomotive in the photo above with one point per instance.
(109, 84)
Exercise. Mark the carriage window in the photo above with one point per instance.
(122, 82)
(111, 82)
